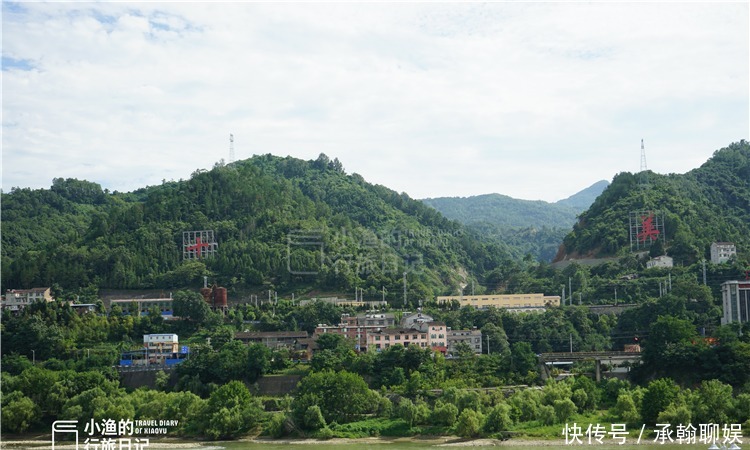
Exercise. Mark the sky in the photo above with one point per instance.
(532, 100)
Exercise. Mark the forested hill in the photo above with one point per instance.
(280, 223)
(525, 227)
(708, 204)
(505, 211)
(583, 199)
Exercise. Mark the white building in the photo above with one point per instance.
(160, 346)
(472, 338)
(660, 261)
(17, 299)
(722, 251)
(735, 301)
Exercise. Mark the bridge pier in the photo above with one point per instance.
(598, 366)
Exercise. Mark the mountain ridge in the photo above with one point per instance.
(707, 204)
(76, 234)
(533, 227)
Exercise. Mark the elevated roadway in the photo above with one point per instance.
(546, 359)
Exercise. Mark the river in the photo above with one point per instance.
(386, 445)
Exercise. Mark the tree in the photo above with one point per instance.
(714, 402)
(625, 409)
(258, 361)
(190, 306)
(564, 409)
(523, 359)
(407, 411)
(19, 413)
(469, 423)
(231, 411)
(444, 414)
(659, 394)
(498, 419)
(341, 396)
(314, 418)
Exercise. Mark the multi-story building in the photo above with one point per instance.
(17, 299)
(735, 301)
(298, 343)
(722, 251)
(161, 346)
(436, 333)
(513, 302)
(351, 331)
(356, 328)
(381, 340)
(376, 319)
(142, 306)
(274, 340)
(472, 338)
(415, 320)
(344, 302)
(660, 261)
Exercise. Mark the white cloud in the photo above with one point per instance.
(532, 100)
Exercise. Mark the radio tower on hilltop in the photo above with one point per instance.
(231, 148)
(644, 167)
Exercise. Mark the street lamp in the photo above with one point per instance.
(33, 356)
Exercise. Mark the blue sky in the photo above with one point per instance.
(531, 100)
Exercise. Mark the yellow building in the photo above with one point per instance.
(518, 302)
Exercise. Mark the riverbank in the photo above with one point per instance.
(44, 442)
(437, 441)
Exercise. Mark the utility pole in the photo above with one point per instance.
(615, 295)
(580, 302)
(571, 343)
(563, 295)
(570, 292)
(383, 294)
(404, 289)
(704, 272)
(472, 287)
(488, 343)
(269, 296)
(231, 148)
(670, 281)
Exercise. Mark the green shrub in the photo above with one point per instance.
(469, 423)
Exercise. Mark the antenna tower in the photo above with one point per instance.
(231, 148)
(644, 167)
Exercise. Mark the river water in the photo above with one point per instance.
(386, 445)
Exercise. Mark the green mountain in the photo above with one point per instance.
(583, 199)
(708, 204)
(505, 211)
(525, 227)
(280, 223)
